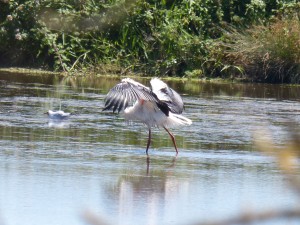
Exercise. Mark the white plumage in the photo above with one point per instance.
(160, 106)
(58, 115)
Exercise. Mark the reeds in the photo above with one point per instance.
(267, 53)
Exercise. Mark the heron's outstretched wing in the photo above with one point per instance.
(167, 95)
(127, 93)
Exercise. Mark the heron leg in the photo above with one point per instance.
(173, 139)
(149, 141)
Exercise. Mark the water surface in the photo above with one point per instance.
(51, 172)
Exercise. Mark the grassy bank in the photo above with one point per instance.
(194, 39)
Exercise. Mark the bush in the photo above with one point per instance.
(153, 37)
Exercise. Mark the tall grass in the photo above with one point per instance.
(267, 53)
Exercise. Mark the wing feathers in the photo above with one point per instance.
(127, 93)
(167, 95)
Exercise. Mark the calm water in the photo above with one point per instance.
(52, 172)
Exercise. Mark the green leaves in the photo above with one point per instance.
(153, 37)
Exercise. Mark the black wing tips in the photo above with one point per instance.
(115, 100)
(112, 100)
(128, 92)
(121, 96)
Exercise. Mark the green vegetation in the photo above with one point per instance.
(253, 39)
(266, 53)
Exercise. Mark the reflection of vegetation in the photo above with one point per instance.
(179, 38)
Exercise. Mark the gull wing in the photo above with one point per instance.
(127, 93)
(167, 95)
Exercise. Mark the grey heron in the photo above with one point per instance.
(158, 106)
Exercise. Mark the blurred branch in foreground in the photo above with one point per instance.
(246, 218)
(251, 218)
(287, 156)
(92, 218)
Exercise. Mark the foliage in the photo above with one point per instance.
(177, 38)
(267, 53)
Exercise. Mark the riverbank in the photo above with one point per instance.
(38, 72)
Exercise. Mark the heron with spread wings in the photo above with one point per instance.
(159, 106)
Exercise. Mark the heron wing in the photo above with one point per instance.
(127, 93)
(167, 95)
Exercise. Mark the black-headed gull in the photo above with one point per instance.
(58, 115)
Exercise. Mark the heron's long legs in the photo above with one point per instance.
(149, 141)
(173, 139)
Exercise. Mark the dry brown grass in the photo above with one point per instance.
(267, 53)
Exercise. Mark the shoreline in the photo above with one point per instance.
(20, 70)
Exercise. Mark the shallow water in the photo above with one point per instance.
(51, 172)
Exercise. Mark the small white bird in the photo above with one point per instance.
(58, 115)
(160, 107)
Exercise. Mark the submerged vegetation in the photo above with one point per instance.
(255, 39)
